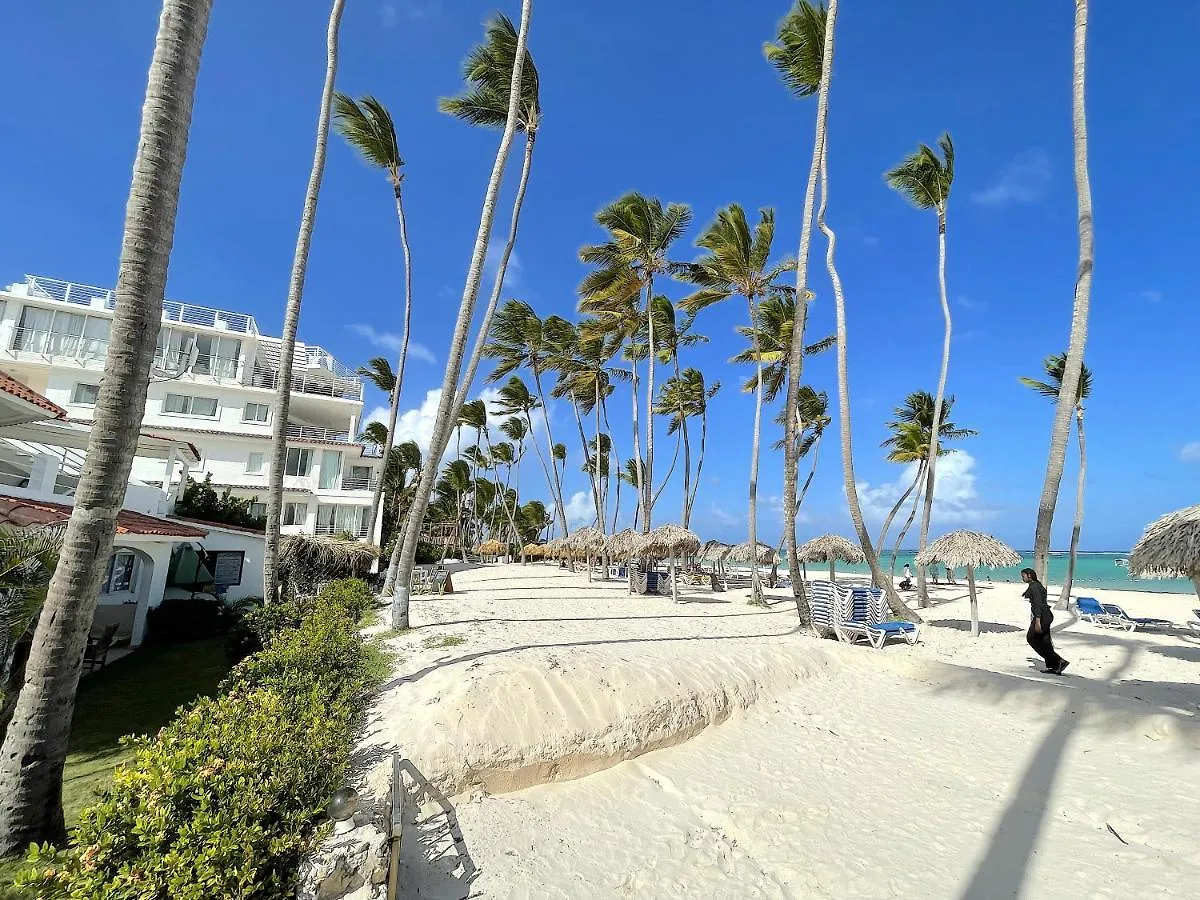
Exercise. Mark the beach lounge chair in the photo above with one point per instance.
(863, 616)
(821, 601)
(1133, 622)
(1195, 626)
(1091, 610)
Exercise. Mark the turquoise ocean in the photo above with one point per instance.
(1092, 570)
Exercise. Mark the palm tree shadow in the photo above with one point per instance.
(434, 859)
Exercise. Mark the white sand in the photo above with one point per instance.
(584, 743)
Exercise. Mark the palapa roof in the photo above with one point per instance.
(534, 550)
(623, 544)
(830, 547)
(671, 540)
(318, 556)
(713, 550)
(1170, 547)
(585, 540)
(492, 548)
(741, 553)
(969, 548)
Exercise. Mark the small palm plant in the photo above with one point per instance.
(925, 180)
(1056, 367)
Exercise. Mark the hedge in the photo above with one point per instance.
(226, 799)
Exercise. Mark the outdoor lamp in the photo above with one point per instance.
(343, 804)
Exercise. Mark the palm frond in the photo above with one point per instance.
(799, 48)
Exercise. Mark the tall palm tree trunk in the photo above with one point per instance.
(935, 435)
(912, 517)
(687, 517)
(640, 468)
(556, 483)
(291, 316)
(816, 448)
(1064, 599)
(394, 408)
(887, 523)
(592, 471)
(662, 485)
(1068, 392)
(649, 478)
(458, 343)
(752, 521)
(791, 461)
(600, 510)
(35, 745)
(614, 465)
(896, 605)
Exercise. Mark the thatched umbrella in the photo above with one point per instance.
(672, 541)
(741, 553)
(308, 559)
(971, 549)
(713, 551)
(1170, 548)
(492, 548)
(533, 551)
(622, 544)
(830, 548)
(586, 541)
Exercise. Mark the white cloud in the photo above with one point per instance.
(870, 240)
(1190, 452)
(955, 498)
(773, 507)
(969, 304)
(1024, 180)
(513, 274)
(388, 14)
(581, 509)
(413, 10)
(1151, 296)
(386, 340)
(721, 517)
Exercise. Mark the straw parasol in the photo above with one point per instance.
(830, 548)
(622, 545)
(1170, 548)
(586, 541)
(492, 548)
(672, 541)
(973, 550)
(533, 551)
(307, 559)
(713, 551)
(741, 553)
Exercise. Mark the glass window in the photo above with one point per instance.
(85, 394)
(122, 573)
(331, 467)
(294, 514)
(204, 406)
(65, 334)
(181, 404)
(33, 330)
(258, 510)
(254, 465)
(95, 338)
(175, 403)
(256, 412)
(298, 462)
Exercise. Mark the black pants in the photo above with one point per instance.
(1043, 645)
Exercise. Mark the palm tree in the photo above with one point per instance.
(445, 417)
(682, 397)
(379, 372)
(374, 433)
(1068, 394)
(849, 486)
(403, 462)
(632, 475)
(812, 418)
(1056, 367)
(925, 179)
(516, 400)
(367, 126)
(519, 338)
(738, 262)
(291, 315)
(774, 320)
(488, 72)
(641, 232)
(473, 415)
(35, 746)
(800, 56)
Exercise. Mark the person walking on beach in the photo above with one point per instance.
(1039, 626)
(907, 573)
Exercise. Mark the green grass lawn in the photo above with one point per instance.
(137, 694)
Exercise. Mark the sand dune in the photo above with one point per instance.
(728, 755)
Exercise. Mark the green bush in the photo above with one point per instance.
(180, 619)
(225, 800)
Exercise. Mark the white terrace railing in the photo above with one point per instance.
(173, 311)
(316, 433)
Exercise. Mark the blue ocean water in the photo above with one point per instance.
(1092, 570)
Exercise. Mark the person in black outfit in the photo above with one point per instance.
(1039, 625)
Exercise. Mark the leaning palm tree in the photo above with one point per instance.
(514, 399)
(641, 232)
(925, 179)
(379, 372)
(291, 315)
(739, 263)
(35, 746)
(850, 486)
(1056, 367)
(367, 126)
(774, 320)
(374, 433)
(473, 415)
(488, 72)
(685, 396)
(445, 416)
(812, 417)
(1068, 394)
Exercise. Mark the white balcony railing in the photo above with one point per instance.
(333, 528)
(58, 344)
(317, 433)
(340, 388)
(173, 311)
(359, 482)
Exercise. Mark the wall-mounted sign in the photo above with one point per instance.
(226, 566)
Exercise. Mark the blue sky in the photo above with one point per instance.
(673, 99)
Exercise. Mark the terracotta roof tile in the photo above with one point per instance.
(10, 385)
(21, 512)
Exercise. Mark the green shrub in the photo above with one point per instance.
(180, 619)
(225, 800)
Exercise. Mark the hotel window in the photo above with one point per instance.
(258, 510)
(293, 514)
(298, 461)
(216, 356)
(62, 333)
(121, 576)
(254, 464)
(256, 412)
(85, 394)
(184, 405)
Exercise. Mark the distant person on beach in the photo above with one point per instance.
(1041, 618)
(907, 573)
(950, 575)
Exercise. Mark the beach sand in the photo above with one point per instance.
(580, 742)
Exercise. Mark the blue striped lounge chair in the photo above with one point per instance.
(1134, 622)
(821, 601)
(1195, 626)
(1091, 610)
(863, 616)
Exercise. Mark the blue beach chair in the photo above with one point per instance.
(1132, 622)
(1091, 610)
(863, 616)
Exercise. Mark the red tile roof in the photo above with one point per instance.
(21, 512)
(10, 385)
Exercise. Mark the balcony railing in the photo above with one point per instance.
(373, 451)
(317, 433)
(173, 311)
(333, 528)
(341, 388)
(359, 482)
(58, 344)
(175, 362)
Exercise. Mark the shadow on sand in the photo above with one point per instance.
(434, 859)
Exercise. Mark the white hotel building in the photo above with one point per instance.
(213, 386)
